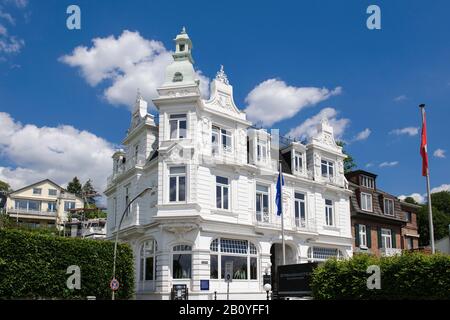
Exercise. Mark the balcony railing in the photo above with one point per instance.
(389, 252)
(139, 161)
(13, 211)
(265, 219)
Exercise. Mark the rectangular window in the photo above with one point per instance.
(367, 182)
(136, 152)
(215, 140)
(409, 243)
(214, 267)
(34, 205)
(68, 205)
(220, 140)
(239, 267)
(182, 264)
(262, 203)
(177, 184)
(222, 193)
(386, 238)
(261, 150)
(362, 235)
(300, 210)
(51, 207)
(329, 213)
(37, 191)
(298, 162)
(21, 204)
(409, 216)
(366, 201)
(327, 168)
(253, 268)
(52, 192)
(178, 125)
(127, 199)
(226, 140)
(389, 207)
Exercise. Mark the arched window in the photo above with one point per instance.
(177, 77)
(148, 260)
(182, 261)
(322, 253)
(242, 253)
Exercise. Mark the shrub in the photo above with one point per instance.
(34, 265)
(409, 276)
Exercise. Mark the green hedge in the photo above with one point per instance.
(34, 265)
(409, 276)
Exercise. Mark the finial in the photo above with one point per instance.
(183, 30)
(221, 76)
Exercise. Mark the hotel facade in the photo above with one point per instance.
(213, 184)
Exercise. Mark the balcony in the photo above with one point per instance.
(132, 163)
(31, 213)
(390, 252)
(266, 220)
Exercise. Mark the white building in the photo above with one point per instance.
(213, 198)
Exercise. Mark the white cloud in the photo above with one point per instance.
(439, 153)
(400, 98)
(388, 164)
(18, 3)
(273, 100)
(126, 63)
(9, 44)
(308, 128)
(6, 16)
(416, 196)
(363, 135)
(58, 153)
(368, 165)
(421, 198)
(411, 131)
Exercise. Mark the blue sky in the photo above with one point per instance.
(383, 76)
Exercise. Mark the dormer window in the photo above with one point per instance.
(182, 46)
(327, 168)
(178, 126)
(297, 162)
(388, 207)
(261, 150)
(367, 182)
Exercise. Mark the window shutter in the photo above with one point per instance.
(369, 237)
(380, 244)
(394, 240)
(356, 235)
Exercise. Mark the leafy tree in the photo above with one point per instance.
(410, 200)
(75, 187)
(349, 162)
(441, 217)
(89, 193)
(4, 186)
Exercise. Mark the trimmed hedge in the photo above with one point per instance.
(34, 265)
(409, 276)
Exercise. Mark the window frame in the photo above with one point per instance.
(55, 192)
(384, 207)
(298, 222)
(367, 195)
(222, 187)
(386, 234)
(181, 249)
(297, 161)
(367, 182)
(264, 218)
(178, 118)
(328, 164)
(223, 135)
(262, 150)
(143, 261)
(36, 192)
(177, 177)
(329, 207)
(362, 231)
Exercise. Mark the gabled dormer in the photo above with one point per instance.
(295, 155)
(259, 143)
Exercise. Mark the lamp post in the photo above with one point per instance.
(118, 229)
(267, 287)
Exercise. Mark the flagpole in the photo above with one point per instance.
(430, 212)
(282, 216)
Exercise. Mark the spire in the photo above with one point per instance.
(183, 30)
(140, 105)
(183, 47)
(221, 75)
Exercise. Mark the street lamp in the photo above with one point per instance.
(267, 287)
(118, 229)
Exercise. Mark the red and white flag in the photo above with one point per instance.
(423, 147)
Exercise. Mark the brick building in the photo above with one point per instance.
(381, 223)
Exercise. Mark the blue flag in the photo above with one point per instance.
(279, 196)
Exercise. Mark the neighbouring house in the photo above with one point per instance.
(41, 204)
(443, 245)
(212, 204)
(381, 224)
(89, 229)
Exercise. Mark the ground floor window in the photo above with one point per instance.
(409, 243)
(323, 253)
(182, 261)
(148, 259)
(242, 253)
